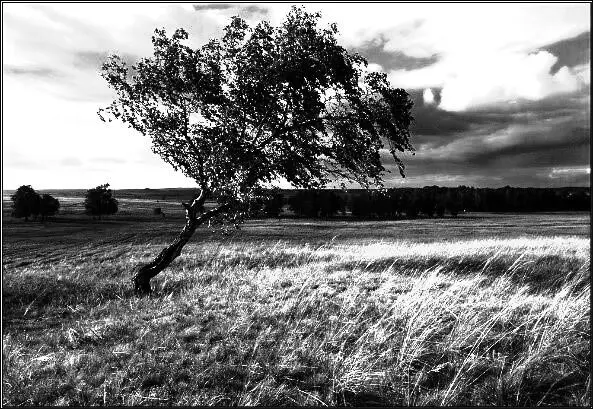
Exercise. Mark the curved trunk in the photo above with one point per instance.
(141, 278)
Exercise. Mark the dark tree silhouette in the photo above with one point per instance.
(100, 201)
(330, 203)
(360, 205)
(272, 207)
(260, 104)
(25, 202)
(305, 203)
(48, 206)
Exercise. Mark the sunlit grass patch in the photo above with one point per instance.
(475, 322)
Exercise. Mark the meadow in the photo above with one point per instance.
(483, 309)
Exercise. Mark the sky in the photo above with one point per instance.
(501, 91)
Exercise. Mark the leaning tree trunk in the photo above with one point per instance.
(141, 278)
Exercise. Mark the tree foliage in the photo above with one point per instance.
(48, 206)
(100, 201)
(25, 202)
(260, 105)
(317, 203)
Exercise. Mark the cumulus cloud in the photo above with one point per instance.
(507, 78)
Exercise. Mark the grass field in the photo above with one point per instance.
(485, 309)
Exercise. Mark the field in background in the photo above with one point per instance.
(485, 309)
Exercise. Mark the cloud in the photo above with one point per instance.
(71, 161)
(515, 153)
(213, 6)
(519, 144)
(474, 60)
(571, 51)
(253, 10)
(246, 11)
(570, 175)
(43, 72)
(374, 51)
(505, 78)
(433, 124)
(428, 97)
(559, 172)
(94, 59)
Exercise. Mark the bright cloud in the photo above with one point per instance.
(428, 96)
(506, 78)
(556, 172)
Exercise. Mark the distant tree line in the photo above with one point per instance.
(430, 201)
(26, 202)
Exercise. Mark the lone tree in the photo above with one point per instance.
(259, 105)
(99, 201)
(48, 206)
(25, 202)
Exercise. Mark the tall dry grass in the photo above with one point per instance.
(482, 322)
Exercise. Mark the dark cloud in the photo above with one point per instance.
(95, 59)
(436, 126)
(374, 51)
(520, 161)
(213, 6)
(570, 52)
(253, 10)
(42, 72)
(515, 144)
(562, 145)
(246, 11)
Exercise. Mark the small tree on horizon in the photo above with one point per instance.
(25, 202)
(48, 206)
(260, 105)
(99, 201)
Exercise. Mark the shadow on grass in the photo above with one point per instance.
(547, 273)
(32, 297)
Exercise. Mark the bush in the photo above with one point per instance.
(99, 201)
(25, 202)
(49, 206)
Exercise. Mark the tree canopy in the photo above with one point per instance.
(100, 201)
(260, 105)
(48, 206)
(25, 202)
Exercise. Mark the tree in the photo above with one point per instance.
(360, 204)
(330, 203)
(99, 201)
(259, 105)
(25, 202)
(272, 207)
(305, 203)
(48, 206)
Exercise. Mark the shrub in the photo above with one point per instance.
(99, 201)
